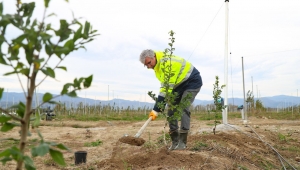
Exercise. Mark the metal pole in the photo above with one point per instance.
(252, 86)
(107, 100)
(145, 101)
(37, 103)
(118, 102)
(292, 105)
(85, 104)
(224, 113)
(298, 101)
(253, 97)
(245, 107)
(257, 92)
(6, 99)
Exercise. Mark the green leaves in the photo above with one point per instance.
(36, 36)
(57, 157)
(86, 30)
(4, 118)
(77, 84)
(69, 46)
(15, 154)
(62, 67)
(46, 147)
(40, 150)
(47, 97)
(46, 3)
(217, 94)
(7, 126)
(217, 97)
(37, 120)
(25, 72)
(77, 34)
(49, 72)
(21, 109)
(27, 9)
(11, 153)
(28, 55)
(1, 8)
(88, 81)
(64, 30)
(63, 147)
(2, 60)
(87, 34)
(1, 92)
(5, 154)
(29, 165)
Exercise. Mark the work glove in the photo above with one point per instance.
(153, 114)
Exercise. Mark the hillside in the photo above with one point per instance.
(10, 98)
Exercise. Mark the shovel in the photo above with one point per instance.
(136, 140)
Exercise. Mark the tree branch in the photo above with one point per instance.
(10, 115)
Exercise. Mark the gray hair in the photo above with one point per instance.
(146, 53)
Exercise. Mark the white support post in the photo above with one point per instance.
(224, 112)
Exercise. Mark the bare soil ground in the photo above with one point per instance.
(232, 147)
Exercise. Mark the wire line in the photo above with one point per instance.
(205, 31)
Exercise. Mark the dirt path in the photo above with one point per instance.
(232, 147)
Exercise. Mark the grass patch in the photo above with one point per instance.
(79, 126)
(267, 164)
(199, 146)
(288, 148)
(160, 139)
(6, 143)
(211, 116)
(126, 165)
(283, 115)
(242, 167)
(108, 117)
(149, 145)
(93, 144)
(281, 137)
(141, 116)
(50, 162)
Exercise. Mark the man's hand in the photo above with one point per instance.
(153, 114)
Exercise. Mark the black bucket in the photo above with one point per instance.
(80, 157)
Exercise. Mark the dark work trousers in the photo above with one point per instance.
(185, 118)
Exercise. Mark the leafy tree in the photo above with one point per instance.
(170, 95)
(250, 100)
(217, 101)
(259, 105)
(28, 55)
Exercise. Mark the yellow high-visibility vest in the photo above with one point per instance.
(180, 71)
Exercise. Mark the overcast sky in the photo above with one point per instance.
(265, 33)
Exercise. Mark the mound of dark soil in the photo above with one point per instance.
(225, 150)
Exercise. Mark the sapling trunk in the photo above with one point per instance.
(26, 118)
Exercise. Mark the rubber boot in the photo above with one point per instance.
(175, 138)
(182, 141)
